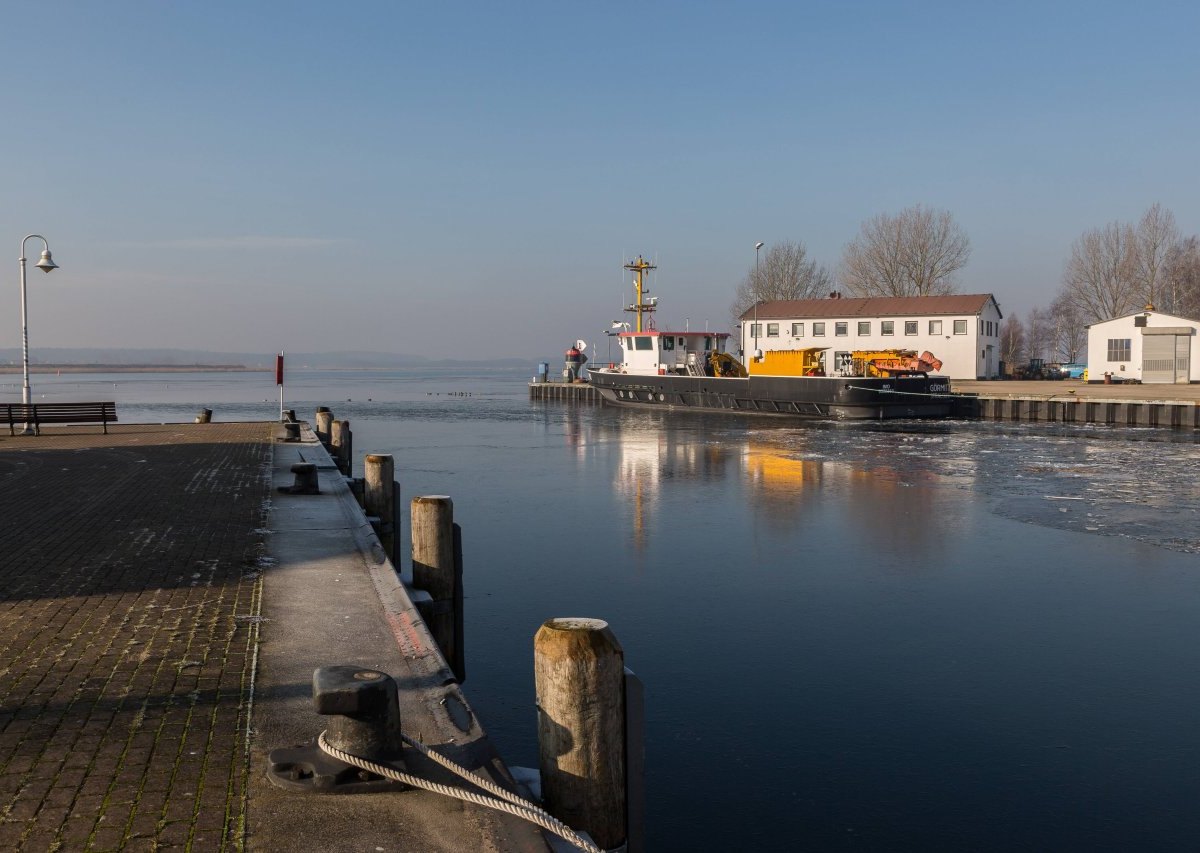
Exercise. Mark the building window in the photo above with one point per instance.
(864, 328)
(756, 330)
(1118, 349)
(797, 330)
(910, 327)
(668, 343)
(887, 327)
(841, 329)
(935, 327)
(818, 330)
(960, 327)
(643, 342)
(772, 330)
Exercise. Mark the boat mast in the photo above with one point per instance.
(639, 268)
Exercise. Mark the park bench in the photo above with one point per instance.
(58, 413)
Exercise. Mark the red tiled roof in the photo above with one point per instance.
(871, 306)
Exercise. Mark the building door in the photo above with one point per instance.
(989, 369)
(1183, 359)
(1166, 358)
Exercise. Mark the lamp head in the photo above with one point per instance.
(46, 263)
(758, 246)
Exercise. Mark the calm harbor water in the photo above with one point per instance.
(853, 636)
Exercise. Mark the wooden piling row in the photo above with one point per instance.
(591, 720)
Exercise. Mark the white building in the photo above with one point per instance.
(1146, 346)
(962, 330)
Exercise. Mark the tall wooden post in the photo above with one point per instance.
(432, 519)
(579, 674)
(324, 424)
(379, 499)
(340, 444)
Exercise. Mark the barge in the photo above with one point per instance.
(689, 370)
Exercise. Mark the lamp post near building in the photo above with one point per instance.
(45, 265)
(756, 353)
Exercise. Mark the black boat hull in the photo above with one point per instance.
(837, 397)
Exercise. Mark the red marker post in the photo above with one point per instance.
(279, 382)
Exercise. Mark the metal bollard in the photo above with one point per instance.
(306, 482)
(363, 708)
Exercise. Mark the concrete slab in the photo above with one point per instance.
(330, 597)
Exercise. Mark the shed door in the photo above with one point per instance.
(1183, 359)
(1166, 358)
(1158, 358)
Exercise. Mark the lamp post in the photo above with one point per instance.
(757, 246)
(45, 265)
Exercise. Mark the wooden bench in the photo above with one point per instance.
(58, 413)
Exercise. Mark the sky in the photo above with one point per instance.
(461, 180)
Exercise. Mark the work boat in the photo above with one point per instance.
(693, 371)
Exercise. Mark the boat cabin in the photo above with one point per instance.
(657, 352)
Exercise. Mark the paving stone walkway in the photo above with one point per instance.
(130, 583)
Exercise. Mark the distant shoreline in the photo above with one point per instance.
(134, 368)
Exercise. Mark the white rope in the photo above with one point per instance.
(902, 393)
(504, 800)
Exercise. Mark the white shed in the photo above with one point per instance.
(1147, 346)
(963, 330)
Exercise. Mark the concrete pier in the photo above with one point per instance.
(566, 392)
(162, 609)
(1160, 406)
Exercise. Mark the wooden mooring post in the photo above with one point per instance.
(324, 425)
(579, 675)
(437, 569)
(380, 494)
(342, 446)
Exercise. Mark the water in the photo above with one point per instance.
(853, 636)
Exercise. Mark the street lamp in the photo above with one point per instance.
(45, 265)
(757, 246)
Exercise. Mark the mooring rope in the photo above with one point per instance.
(902, 393)
(505, 801)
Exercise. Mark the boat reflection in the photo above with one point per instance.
(782, 476)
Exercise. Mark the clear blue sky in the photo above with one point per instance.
(464, 180)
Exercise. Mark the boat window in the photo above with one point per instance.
(818, 330)
(841, 329)
(643, 342)
(935, 327)
(682, 343)
(668, 343)
(707, 343)
(772, 330)
(629, 343)
(887, 327)
(843, 363)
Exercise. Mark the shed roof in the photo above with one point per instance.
(872, 306)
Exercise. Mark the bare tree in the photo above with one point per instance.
(1039, 334)
(1099, 280)
(914, 253)
(1069, 331)
(786, 272)
(1156, 236)
(1182, 273)
(1012, 341)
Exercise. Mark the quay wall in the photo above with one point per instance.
(566, 392)
(1126, 413)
